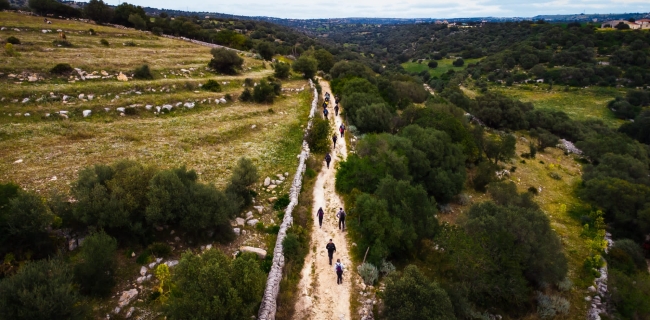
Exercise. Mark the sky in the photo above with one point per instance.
(305, 9)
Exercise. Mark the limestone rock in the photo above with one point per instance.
(171, 263)
(127, 297)
(189, 105)
(122, 77)
(267, 181)
(272, 199)
(87, 113)
(271, 187)
(222, 100)
(143, 270)
(259, 209)
(252, 222)
(240, 221)
(120, 109)
(237, 231)
(72, 244)
(261, 253)
(249, 214)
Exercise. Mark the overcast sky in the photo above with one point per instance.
(305, 9)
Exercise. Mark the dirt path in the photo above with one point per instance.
(319, 295)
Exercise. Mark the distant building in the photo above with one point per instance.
(614, 23)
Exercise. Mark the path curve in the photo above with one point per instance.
(319, 297)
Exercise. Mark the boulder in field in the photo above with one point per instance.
(261, 253)
(267, 181)
(87, 113)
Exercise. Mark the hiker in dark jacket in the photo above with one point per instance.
(339, 267)
(336, 110)
(341, 215)
(334, 138)
(328, 158)
(342, 130)
(331, 248)
(320, 215)
(325, 112)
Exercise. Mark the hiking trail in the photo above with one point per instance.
(319, 297)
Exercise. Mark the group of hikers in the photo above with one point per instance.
(328, 157)
(326, 104)
(331, 248)
(340, 215)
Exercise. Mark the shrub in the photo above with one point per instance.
(41, 289)
(413, 296)
(157, 31)
(266, 91)
(212, 285)
(25, 223)
(551, 306)
(291, 247)
(62, 43)
(92, 32)
(282, 70)
(98, 11)
(565, 285)
(318, 138)
(459, 62)
(387, 268)
(61, 68)
(555, 175)
(96, 266)
(533, 190)
(249, 82)
(5, 5)
(246, 95)
(13, 40)
(212, 85)
(432, 64)
(368, 273)
(225, 61)
(104, 42)
(160, 249)
(306, 65)
(282, 202)
(9, 50)
(143, 73)
(373, 118)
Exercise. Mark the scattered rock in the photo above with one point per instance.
(240, 221)
(122, 77)
(143, 270)
(252, 222)
(237, 231)
(261, 253)
(18, 161)
(253, 126)
(171, 263)
(87, 113)
(127, 297)
(25, 100)
(259, 209)
(249, 214)
(222, 100)
(272, 199)
(286, 174)
(271, 187)
(208, 247)
(72, 244)
(267, 181)
(189, 105)
(120, 109)
(130, 312)
(81, 96)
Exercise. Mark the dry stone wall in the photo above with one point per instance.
(269, 300)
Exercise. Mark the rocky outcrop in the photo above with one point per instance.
(269, 300)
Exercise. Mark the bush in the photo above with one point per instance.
(225, 61)
(459, 62)
(551, 306)
(282, 70)
(565, 285)
(413, 296)
(212, 285)
(318, 138)
(5, 5)
(160, 249)
(98, 11)
(282, 202)
(61, 68)
(626, 256)
(9, 50)
(387, 268)
(555, 175)
(291, 247)
(92, 32)
(246, 95)
(25, 223)
(129, 44)
(212, 85)
(373, 118)
(368, 273)
(104, 42)
(306, 65)
(432, 64)
(96, 267)
(41, 289)
(266, 91)
(13, 40)
(142, 73)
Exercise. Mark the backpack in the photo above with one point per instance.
(339, 268)
(342, 214)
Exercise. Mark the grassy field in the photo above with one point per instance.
(578, 103)
(444, 65)
(209, 137)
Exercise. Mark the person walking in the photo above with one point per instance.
(328, 158)
(325, 113)
(342, 130)
(336, 110)
(334, 138)
(320, 215)
(339, 267)
(341, 215)
(331, 248)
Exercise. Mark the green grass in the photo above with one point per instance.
(444, 65)
(578, 103)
